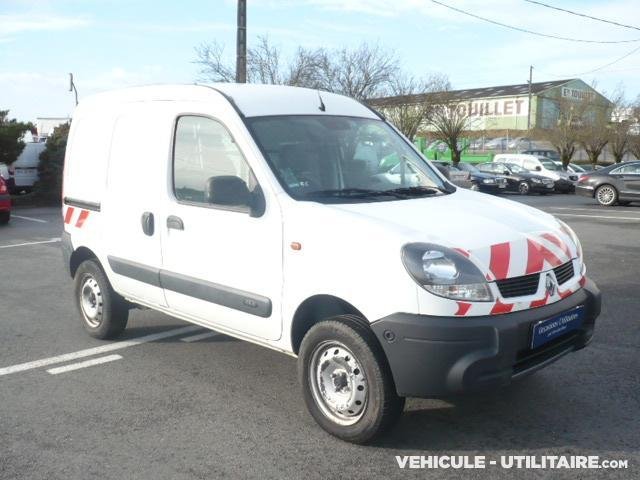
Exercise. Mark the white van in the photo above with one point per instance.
(565, 182)
(25, 168)
(263, 212)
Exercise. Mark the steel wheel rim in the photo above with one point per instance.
(338, 384)
(523, 188)
(91, 301)
(606, 195)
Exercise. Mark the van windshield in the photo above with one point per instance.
(333, 159)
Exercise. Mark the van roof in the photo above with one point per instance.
(251, 100)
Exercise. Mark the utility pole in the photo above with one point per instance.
(241, 43)
(529, 105)
(72, 87)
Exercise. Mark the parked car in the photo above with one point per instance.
(5, 174)
(518, 179)
(456, 176)
(543, 152)
(616, 184)
(255, 219)
(519, 143)
(468, 176)
(499, 143)
(5, 203)
(589, 167)
(564, 181)
(25, 168)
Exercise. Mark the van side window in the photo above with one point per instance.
(204, 151)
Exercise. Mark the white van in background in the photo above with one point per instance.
(24, 170)
(565, 182)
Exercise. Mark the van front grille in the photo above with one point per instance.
(519, 286)
(564, 272)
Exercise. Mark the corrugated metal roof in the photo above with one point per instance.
(471, 93)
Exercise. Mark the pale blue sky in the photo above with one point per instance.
(115, 43)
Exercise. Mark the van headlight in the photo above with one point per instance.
(445, 272)
(569, 231)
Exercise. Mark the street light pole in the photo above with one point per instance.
(241, 43)
(72, 87)
(529, 105)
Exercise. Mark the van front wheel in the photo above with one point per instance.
(103, 312)
(346, 382)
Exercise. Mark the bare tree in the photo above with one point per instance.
(449, 121)
(620, 128)
(212, 66)
(619, 140)
(565, 133)
(408, 102)
(634, 144)
(594, 134)
(361, 73)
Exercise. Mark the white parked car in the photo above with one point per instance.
(262, 215)
(25, 168)
(565, 182)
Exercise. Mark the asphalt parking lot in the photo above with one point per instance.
(171, 406)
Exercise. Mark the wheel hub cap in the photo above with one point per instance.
(91, 301)
(605, 195)
(338, 383)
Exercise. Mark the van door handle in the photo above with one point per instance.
(147, 221)
(175, 222)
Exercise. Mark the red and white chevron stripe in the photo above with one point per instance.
(75, 216)
(535, 253)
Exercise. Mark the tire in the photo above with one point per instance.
(346, 350)
(103, 312)
(5, 217)
(474, 187)
(524, 188)
(606, 195)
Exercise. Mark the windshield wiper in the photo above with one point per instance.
(418, 190)
(354, 192)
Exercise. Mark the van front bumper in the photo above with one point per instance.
(433, 356)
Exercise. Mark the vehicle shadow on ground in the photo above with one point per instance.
(134, 332)
(526, 416)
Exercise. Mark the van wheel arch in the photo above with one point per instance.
(316, 309)
(78, 256)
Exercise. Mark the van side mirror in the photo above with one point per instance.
(538, 168)
(506, 172)
(231, 191)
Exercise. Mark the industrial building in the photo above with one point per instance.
(508, 107)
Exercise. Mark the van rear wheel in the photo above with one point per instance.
(103, 312)
(346, 382)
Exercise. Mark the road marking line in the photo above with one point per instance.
(85, 364)
(595, 216)
(626, 210)
(53, 240)
(200, 336)
(29, 218)
(96, 350)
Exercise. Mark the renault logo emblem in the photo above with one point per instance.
(550, 285)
